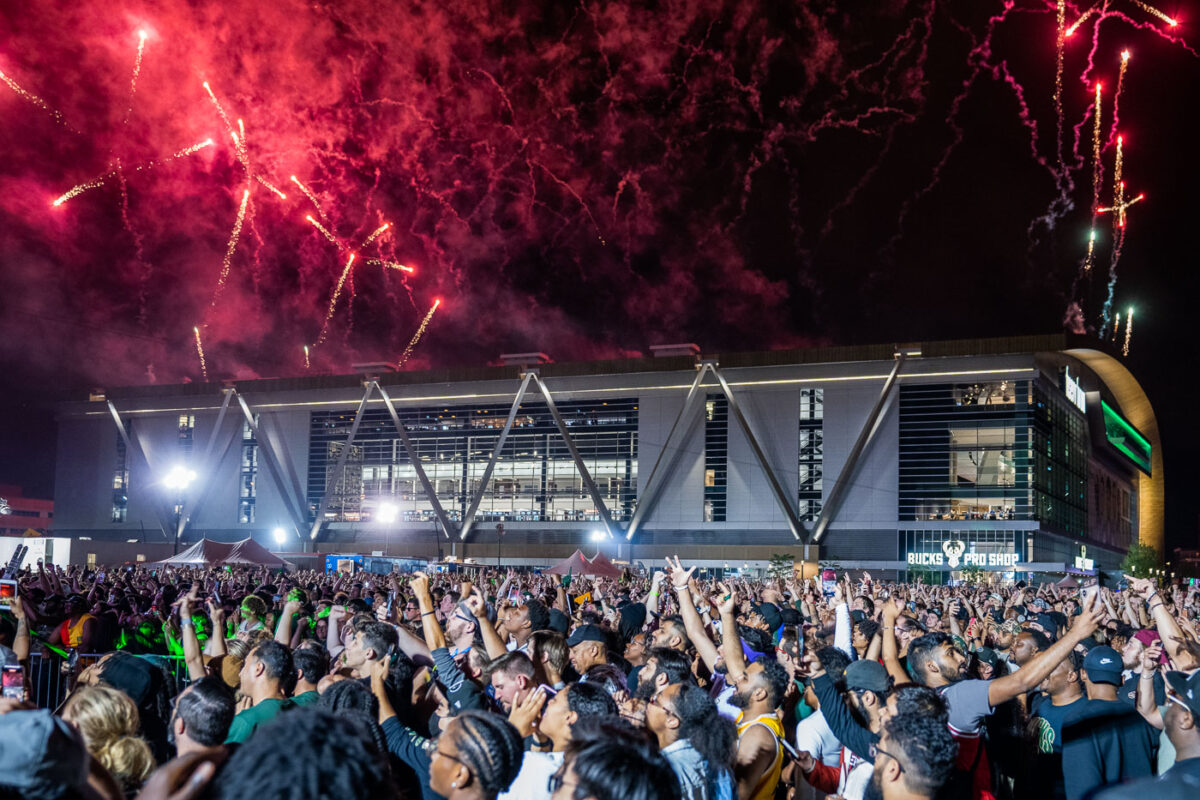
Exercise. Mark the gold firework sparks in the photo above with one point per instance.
(234, 234)
(337, 291)
(200, 352)
(408, 351)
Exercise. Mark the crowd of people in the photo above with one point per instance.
(236, 682)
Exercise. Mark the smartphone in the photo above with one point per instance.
(8, 593)
(216, 596)
(14, 681)
(390, 602)
(1090, 588)
(548, 689)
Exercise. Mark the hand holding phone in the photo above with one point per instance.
(14, 681)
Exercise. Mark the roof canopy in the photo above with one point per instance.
(575, 565)
(603, 566)
(207, 552)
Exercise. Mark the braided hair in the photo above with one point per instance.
(491, 748)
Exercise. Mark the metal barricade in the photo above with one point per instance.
(51, 678)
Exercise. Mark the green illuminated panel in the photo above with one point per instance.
(1126, 438)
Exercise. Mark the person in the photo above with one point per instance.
(935, 662)
(373, 641)
(664, 667)
(759, 691)
(79, 631)
(588, 646)
(914, 759)
(264, 679)
(867, 688)
(1104, 739)
(697, 741)
(672, 634)
(559, 716)
(512, 677)
(1061, 695)
(311, 663)
(108, 721)
(813, 734)
(477, 757)
(519, 623)
(613, 769)
(201, 718)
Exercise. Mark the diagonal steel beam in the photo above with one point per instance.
(781, 497)
(293, 505)
(134, 449)
(653, 490)
(575, 456)
(426, 484)
(207, 467)
(469, 519)
(341, 462)
(837, 494)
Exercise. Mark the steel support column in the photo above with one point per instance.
(601, 508)
(469, 519)
(653, 490)
(294, 505)
(430, 489)
(786, 504)
(133, 449)
(341, 462)
(837, 493)
(207, 467)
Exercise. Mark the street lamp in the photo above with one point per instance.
(387, 513)
(178, 478)
(280, 536)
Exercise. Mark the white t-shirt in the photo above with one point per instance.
(814, 736)
(533, 781)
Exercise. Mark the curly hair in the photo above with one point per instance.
(927, 749)
(713, 736)
(310, 752)
(491, 748)
(109, 722)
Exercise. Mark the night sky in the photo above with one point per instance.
(583, 179)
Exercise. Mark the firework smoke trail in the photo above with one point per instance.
(200, 352)
(408, 351)
(1128, 331)
(312, 199)
(378, 262)
(1116, 118)
(324, 231)
(337, 291)
(378, 231)
(227, 262)
(100, 180)
(1154, 12)
(137, 69)
(37, 101)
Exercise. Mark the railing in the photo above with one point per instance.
(51, 677)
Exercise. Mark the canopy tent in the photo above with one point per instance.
(602, 566)
(575, 565)
(1067, 583)
(207, 552)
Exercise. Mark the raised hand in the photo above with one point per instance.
(525, 714)
(420, 583)
(727, 601)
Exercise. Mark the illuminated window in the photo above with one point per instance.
(811, 453)
(716, 457)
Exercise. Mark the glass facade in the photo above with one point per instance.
(246, 488)
(965, 451)
(1060, 463)
(812, 453)
(187, 437)
(716, 457)
(535, 478)
(120, 482)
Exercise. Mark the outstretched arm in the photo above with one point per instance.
(1027, 678)
(491, 639)
(891, 651)
(692, 623)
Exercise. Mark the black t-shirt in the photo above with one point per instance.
(1128, 690)
(1105, 741)
(1044, 772)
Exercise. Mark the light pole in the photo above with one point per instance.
(179, 478)
(499, 539)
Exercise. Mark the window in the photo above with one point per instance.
(91, 560)
(716, 457)
(120, 482)
(812, 453)
(246, 489)
(986, 394)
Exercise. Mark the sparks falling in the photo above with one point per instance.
(408, 351)
(217, 104)
(307, 365)
(1149, 9)
(337, 291)
(1116, 326)
(378, 262)
(378, 231)
(1128, 331)
(1116, 119)
(100, 180)
(200, 353)
(1091, 251)
(137, 69)
(270, 186)
(234, 234)
(1083, 18)
(33, 98)
(324, 231)
(1059, 47)
(311, 198)
(1097, 161)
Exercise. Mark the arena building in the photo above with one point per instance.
(1022, 455)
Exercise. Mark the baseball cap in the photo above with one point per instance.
(988, 656)
(586, 633)
(1147, 636)
(867, 675)
(1103, 665)
(41, 755)
(770, 614)
(1187, 687)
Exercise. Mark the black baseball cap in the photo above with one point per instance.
(867, 675)
(586, 633)
(1103, 665)
(1188, 689)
